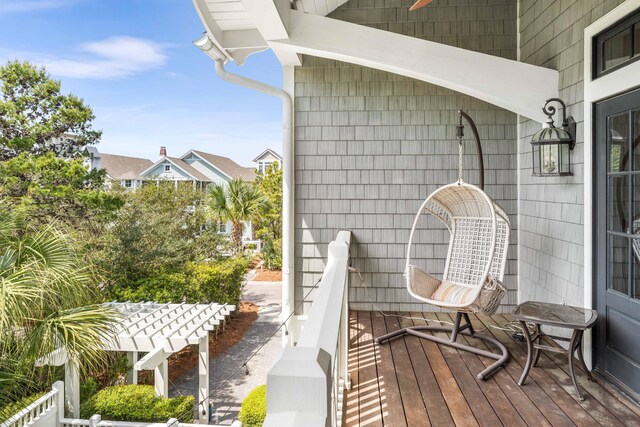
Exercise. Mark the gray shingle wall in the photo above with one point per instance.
(551, 211)
(370, 146)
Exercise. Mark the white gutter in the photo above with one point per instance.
(211, 50)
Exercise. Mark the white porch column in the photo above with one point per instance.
(72, 388)
(203, 379)
(132, 375)
(161, 379)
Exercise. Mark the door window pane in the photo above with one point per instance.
(618, 196)
(635, 141)
(635, 247)
(635, 212)
(617, 49)
(618, 274)
(636, 43)
(618, 203)
(619, 143)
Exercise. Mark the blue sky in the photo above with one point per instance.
(134, 63)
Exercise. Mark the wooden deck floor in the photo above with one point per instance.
(413, 382)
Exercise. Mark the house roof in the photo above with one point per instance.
(123, 167)
(226, 166)
(268, 151)
(188, 169)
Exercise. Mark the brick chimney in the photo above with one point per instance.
(163, 151)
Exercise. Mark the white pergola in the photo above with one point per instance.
(159, 330)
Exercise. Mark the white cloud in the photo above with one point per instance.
(7, 6)
(112, 58)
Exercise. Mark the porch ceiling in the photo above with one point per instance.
(242, 27)
(319, 7)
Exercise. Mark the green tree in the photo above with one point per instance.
(237, 201)
(46, 303)
(41, 173)
(159, 230)
(34, 114)
(46, 187)
(269, 225)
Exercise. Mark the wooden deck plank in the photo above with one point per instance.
(480, 406)
(542, 390)
(458, 407)
(563, 393)
(599, 406)
(410, 381)
(500, 403)
(414, 408)
(369, 399)
(392, 409)
(351, 415)
(521, 402)
(437, 411)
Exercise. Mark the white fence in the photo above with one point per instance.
(48, 411)
(305, 386)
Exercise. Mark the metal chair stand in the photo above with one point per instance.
(458, 328)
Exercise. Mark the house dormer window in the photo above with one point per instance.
(167, 168)
(263, 166)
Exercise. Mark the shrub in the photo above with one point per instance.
(88, 388)
(254, 407)
(136, 403)
(219, 281)
(272, 252)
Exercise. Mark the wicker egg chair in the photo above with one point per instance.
(474, 269)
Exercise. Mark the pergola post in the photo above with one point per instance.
(161, 379)
(132, 374)
(72, 388)
(203, 378)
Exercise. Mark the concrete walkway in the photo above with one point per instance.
(228, 398)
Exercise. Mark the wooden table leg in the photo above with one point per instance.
(527, 366)
(575, 342)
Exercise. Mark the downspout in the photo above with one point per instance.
(211, 50)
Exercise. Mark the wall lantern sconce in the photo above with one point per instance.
(552, 145)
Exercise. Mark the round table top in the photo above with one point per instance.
(565, 316)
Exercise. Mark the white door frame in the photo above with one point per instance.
(614, 83)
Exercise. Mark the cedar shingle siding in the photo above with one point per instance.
(371, 146)
(551, 210)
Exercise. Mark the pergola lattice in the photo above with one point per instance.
(159, 330)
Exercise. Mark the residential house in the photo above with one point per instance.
(196, 167)
(371, 95)
(124, 170)
(266, 159)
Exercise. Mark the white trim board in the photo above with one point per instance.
(491, 78)
(611, 84)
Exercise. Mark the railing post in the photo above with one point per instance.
(58, 386)
(304, 387)
(94, 420)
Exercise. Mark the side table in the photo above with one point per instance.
(561, 316)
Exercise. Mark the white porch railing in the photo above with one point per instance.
(48, 411)
(305, 386)
(43, 412)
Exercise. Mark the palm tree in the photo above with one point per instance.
(237, 201)
(46, 303)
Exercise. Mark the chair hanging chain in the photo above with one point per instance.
(460, 134)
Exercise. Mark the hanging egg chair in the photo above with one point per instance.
(475, 263)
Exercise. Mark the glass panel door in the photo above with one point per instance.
(617, 239)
